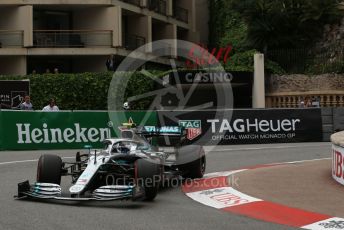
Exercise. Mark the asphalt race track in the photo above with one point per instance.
(171, 209)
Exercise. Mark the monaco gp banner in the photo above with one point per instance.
(338, 163)
(22, 130)
(248, 126)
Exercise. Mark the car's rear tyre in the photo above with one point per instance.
(148, 176)
(191, 161)
(49, 169)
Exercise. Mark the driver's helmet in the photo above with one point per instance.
(124, 148)
(126, 106)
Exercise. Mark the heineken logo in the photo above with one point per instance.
(193, 127)
(47, 135)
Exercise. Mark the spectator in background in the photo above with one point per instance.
(110, 63)
(302, 103)
(316, 102)
(56, 71)
(52, 107)
(308, 102)
(47, 70)
(26, 105)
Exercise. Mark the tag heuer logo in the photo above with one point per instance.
(193, 127)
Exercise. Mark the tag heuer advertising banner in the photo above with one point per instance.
(248, 126)
(12, 93)
(21, 130)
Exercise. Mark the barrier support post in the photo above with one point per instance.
(258, 91)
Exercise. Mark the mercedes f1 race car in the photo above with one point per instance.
(129, 167)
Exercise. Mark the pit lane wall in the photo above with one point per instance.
(338, 157)
(21, 130)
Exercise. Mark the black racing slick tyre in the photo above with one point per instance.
(191, 161)
(148, 176)
(49, 169)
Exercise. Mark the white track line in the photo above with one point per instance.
(304, 161)
(25, 161)
(264, 148)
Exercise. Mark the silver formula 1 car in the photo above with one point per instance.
(130, 167)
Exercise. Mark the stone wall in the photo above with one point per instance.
(304, 83)
(329, 49)
(331, 45)
(333, 35)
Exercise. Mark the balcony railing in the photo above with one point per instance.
(11, 38)
(133, 42)
(293, 100)
(159, 6)
(72, 38)
(133, 2)
(181, 14)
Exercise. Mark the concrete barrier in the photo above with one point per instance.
(337, 140)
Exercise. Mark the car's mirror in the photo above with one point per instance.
(88, 147)
(143, 147)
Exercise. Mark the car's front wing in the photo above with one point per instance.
(54, 192)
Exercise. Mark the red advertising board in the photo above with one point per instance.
(338, 163)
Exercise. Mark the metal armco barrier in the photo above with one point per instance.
(20, 130)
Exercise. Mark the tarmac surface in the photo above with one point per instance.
(308, 186)
(171, 209)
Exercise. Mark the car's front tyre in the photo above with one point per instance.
(49, 169)
(191, 161)
(148, 176)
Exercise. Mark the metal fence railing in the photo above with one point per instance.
(312, 61)
(133, 2)
(11, 38)
(133, 42)
(159, 6)
(181, 14)
(72, 38)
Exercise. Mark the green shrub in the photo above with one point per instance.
(86, 91)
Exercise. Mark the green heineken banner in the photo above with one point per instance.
(21, 130)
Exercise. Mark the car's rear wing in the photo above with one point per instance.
(170, 135)
(154, 131)
(164, 135)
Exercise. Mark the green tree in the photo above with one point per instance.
(226, 26)
(286, 23)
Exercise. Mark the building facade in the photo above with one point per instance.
(79, 35)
